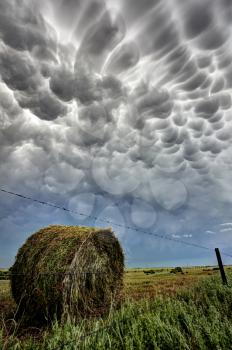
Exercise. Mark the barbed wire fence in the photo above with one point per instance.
(81, 338)
(106, 220)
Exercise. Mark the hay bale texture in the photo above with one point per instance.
(67, 270)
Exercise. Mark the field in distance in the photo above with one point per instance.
(142, 283)
(150, 282)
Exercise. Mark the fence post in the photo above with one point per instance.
(221, 267)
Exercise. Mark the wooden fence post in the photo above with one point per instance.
(221, 267)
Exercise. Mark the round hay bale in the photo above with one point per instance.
(70, 270)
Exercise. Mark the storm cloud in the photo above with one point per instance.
(120, 109)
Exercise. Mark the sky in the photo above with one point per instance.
(120, 110)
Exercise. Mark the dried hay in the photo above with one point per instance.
(67, 270)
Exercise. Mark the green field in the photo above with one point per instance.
(161, 310)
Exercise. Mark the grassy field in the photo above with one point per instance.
(141, 284)
(162, 310)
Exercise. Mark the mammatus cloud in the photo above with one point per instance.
(126, 103)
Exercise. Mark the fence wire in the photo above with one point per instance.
(106, 220)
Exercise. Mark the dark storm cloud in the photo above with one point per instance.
(204, 61)
(170, 135)
(23, 28)
(102, 37)
(161, 32)
(198, 17)
(218, 125)
(195, 82)
(27, 38)
(176, 61)
(191, 151)
(179, 119)
(134, 9)
(89, 14)
(143, 88)
(216, 118)
(62, 83)
(211, 145)
(19, 72)
(206, 108)
(217, 85)
(43, 104)
(225, 101)
(212, 39)
(200, 23)
(112, 88)
(125, 57)
(224, 134)
(67, 11)
(154, 104)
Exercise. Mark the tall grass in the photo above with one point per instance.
(199, 318)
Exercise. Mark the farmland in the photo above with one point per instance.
(147, 283)
(161, 310)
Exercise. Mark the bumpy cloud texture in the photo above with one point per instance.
(122, 109)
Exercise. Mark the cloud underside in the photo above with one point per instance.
(132, 101)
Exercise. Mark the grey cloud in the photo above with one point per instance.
(204, 61)
(218, 125)
(162, 33)
(154, 104)
(179, 119)
(183, 135)
(134, 9)
(207, 108)
(198, 125)
(87, 86)
(218, 85)
(43, 104)
(198, 17)
(83, 84)
(9, 106)
(62, 83)
(210, 144)
(170, 135)
(191, 150)
(18, 70)
(229, 78)
(227, 8)
(93, 118)
(216, 117)
(177, 60)
(166, 116)
(223, 59)
(112, 88)
(21, 74)
(195, 82)
(187, 71)
(224, 134)
(91, 11)
(102, 36)
(213, 39)
(199, 165)
(66, 11)
(24, 29)
(126, 56)
(200, 23)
